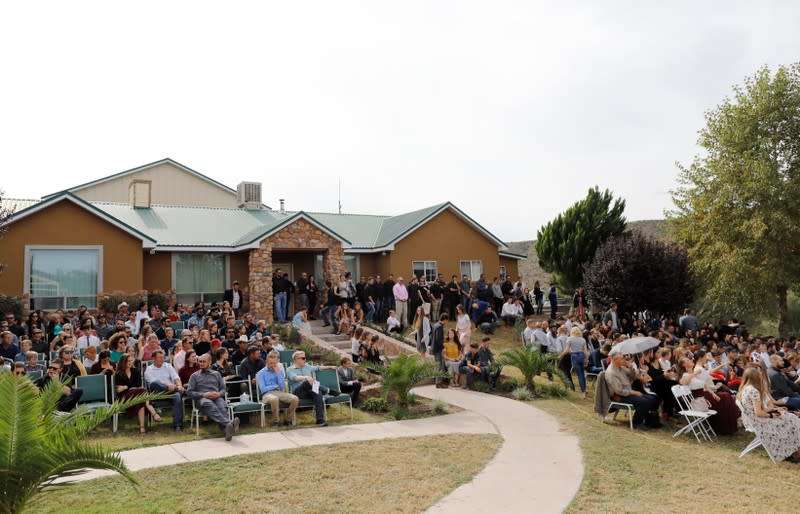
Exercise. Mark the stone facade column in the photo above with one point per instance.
(333, 263)
(259, 297)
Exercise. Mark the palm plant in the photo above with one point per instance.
(39, 445)
(530, 362)
(403, 373)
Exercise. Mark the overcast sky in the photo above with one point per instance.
(511, 110)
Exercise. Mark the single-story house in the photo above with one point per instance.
(165, 227)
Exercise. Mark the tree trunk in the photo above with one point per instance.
(783, 306)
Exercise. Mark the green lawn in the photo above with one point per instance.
(397, 476)
(652, 472)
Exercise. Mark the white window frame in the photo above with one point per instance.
(426, 267)
(472, 264)
(201, 294)
(503, 274)
(27, 268)
(357, 272)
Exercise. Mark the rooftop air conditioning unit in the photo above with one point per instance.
(248, 195)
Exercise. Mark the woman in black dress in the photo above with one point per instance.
(313, 290)
(128, 383)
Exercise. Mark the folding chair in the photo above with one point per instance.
(330, 379)
(95, 394)
(756, 442)
(286, 357)
(177, 327)
(267, 406)
(696, 421)
(237, 406)
(34, 375)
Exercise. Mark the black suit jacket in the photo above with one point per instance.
(228, 297)
(437, 338)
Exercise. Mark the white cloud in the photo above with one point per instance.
(509, 109)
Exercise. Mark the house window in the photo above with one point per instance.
(502, 273)
(352, 264)
(199, 276)
(472, 269)
(63, 277)
(424, 269)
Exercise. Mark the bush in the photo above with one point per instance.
(330, 357)
(509, 384)
(293, 335)
(521, 393)
(519, 328)
(530, 362)
(109, 303)
(399, 413)
(553, 390)
(412, 399)
(403, 373)
(481, 386)
(376, 404)
(9, 304)
(439, 407)
(157, 299)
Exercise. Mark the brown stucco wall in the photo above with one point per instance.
(512, 269)
(64, 223)
(157, 271)
(447, 240)
(368, 265)
(239, 269)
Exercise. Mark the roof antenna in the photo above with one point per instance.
(340, 195)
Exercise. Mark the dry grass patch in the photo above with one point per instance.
(397, 475)
(628, 471)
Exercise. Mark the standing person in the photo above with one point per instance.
(207, 389)
(371, 299)
(234, 298)
(313, 291)
(422, 331)
(400, 295)
(437, 343)
(482, 288)
(327, 310)
(437, 296)
(414, 298)
(552, 295)
(538, 297)
(578, 355)
(280, 289)
(379, 299)
(463, 326)
(497, 295)
(613, 317)
(347, 290)
(302, 290)
(465, 292)
(579, 304)
(388, 294)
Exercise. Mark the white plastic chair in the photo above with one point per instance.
(696, 421)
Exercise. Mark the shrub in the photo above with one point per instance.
(157, 299)
(403, 373)
(530, 362)
(412, 399)
(439, 407)
(521, 393)
(553, 390)
(9, 304)
(399, 412)
(293, 335)
(375, 404)
(509, 384)
(519, 328)
(481, 386)
(109, 303)
(330, 357)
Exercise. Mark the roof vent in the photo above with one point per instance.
(139, 194)
(248, 195)
(283, 210)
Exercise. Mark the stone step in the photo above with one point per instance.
(331, 338)
(342, 345)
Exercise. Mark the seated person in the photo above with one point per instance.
(69, 365)
(596, 358)
(160, 376)
(347, 379)
(471, 365)
(392, 323)
(478, 308)
(250, 367)
(240, 354)
(300, 319)
(90, 357)
(784, 390)
(373, 353)
(207, 389)
(8, 350)
(779, 431)
(275, 342)
(32, 363)
(488, 321)
(19, 369)
(619, 377)
(24, 346)
(304, 385)
(271, 381)
(70, 395)
(487, 359)
(512, 310)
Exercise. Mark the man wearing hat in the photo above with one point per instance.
(234, 298)
(122, 312)
(39, 344)
(240, 354)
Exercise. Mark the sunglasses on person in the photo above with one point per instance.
(19, 372)
(68, 352)
(54, 368)
(301, 358)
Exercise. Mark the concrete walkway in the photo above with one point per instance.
(537, 469)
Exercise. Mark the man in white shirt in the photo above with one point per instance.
(392, 323)
(528, 335)
(161, 377)
(512, 310)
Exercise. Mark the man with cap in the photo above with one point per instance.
(122, 312)
(39, 345)
(234, 298)
(240, 354)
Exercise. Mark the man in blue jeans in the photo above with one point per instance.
(161, 376)
(619, 377)
(471, 365)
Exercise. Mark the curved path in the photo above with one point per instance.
(537, 469)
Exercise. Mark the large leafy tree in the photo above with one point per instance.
(39, 446)
(568, 242)
(737, 208)
(638, 273)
